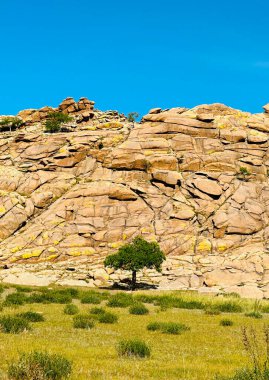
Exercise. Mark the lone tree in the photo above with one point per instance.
(135, 256)
(132, 116)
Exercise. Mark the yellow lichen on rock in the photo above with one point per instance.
(116, 244)
(2, 210)
(204, 246)
(34, 253)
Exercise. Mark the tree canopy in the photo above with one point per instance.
(136, 256)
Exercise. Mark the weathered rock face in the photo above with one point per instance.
(195, 180)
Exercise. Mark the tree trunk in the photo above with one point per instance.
(133, 279)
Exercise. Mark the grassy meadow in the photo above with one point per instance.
(204, 349)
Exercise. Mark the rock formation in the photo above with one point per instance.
(195, 180)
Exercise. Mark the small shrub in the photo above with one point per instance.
(154, 326)
(108, 318)
(120, 300)
(40, 366)
(231, 295)
(23, 289)
(91, 298)
(83, 321)
(168, 301)
(37, 298)
(135, 348)
(244, 171)
(211, 310)
(15, 299)
(138, 309)
(168, 327)
(229, 307)
(32, 316)
(59, 296)
(226, 322)
(254, 314)
(145, 298)
(97, 311)
(173, 328)
(13, 324)
(74, 293)
(265, 308)
(55, 120)
(50, 296)
(71, 309)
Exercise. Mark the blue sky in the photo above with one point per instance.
(134, 55)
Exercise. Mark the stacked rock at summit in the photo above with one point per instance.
(194, 180)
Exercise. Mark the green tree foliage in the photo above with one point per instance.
(135, 256)
(132, 116)
(10, 123)
(55, 120)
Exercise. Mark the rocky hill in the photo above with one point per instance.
(195, 180)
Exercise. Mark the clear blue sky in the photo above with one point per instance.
(134, 55)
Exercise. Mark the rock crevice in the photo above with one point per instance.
(194, 180)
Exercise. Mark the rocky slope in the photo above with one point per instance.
(195, 180)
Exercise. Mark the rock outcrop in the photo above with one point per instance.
(195, 180)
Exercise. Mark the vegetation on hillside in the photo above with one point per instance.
(55, 120)
(10, 123)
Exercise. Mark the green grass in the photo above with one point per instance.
(202, 352)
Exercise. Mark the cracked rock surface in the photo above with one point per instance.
(194, 180)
